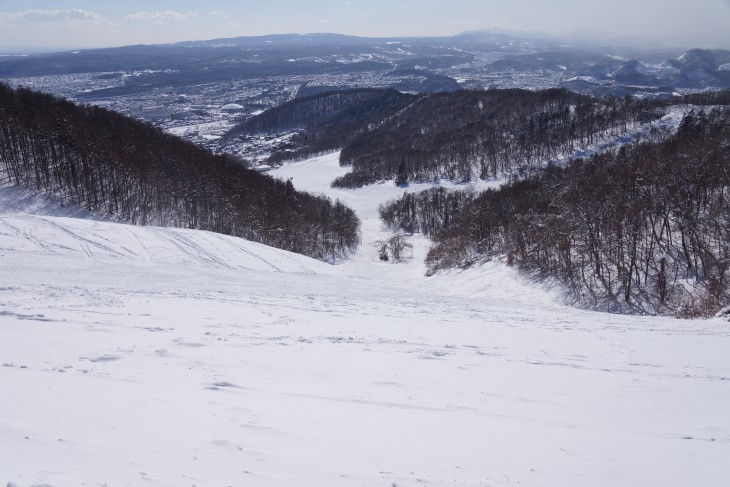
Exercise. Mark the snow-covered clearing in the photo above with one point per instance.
(146, 356)
(204, 129)
(667, 124)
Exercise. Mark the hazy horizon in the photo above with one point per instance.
(46, 25)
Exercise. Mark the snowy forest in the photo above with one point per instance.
(645, 228)
(130, 171)
(461, 136)
(470, 135)
(324, 121)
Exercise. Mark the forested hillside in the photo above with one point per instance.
(471, 135)
(327, 121)
(115, 166)
(645, 228)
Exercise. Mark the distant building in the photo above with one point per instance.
(232, 108)
(181, 115)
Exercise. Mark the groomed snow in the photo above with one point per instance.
(145, 356)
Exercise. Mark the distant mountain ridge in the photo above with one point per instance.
(696, 68)
(476, 59)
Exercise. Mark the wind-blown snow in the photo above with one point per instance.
(149, 356)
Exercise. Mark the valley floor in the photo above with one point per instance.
(145, 356)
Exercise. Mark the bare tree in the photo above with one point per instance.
(399, 247)
(395, 247)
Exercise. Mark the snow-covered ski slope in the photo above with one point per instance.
(144, 356)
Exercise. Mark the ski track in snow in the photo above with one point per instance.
(166, 357)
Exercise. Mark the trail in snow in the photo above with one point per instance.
(315, 175)
(668, 124)
(167, 357)
(126, 372)
(492, 280)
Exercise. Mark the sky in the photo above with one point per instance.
(63, 24)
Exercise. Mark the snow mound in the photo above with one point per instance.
(39, 225)
(94, 239)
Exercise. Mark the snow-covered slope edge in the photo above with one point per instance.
(96, 239)
(33, 224)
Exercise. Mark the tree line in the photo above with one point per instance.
(115, 166)
(427, 212)
(645, 228)
(711, 97)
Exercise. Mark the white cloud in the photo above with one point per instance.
(160, 17)
(219, 13)
(49, 16)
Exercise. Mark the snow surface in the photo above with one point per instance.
(148, 356)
